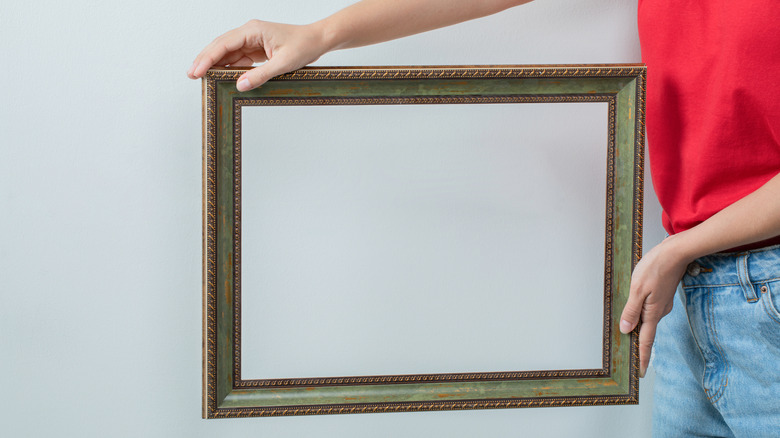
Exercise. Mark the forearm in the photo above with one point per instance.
(374, 21)
(288, 47)
(753, 218)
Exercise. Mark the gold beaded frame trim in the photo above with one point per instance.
(226, 394)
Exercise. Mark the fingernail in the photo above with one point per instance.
(625, 326)
(192, 68)
(243, 84)
(642, 372)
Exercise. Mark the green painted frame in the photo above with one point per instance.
(226, 394)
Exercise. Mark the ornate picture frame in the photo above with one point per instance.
(226, 394)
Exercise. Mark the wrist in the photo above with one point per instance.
(683, 247)
(328, 35)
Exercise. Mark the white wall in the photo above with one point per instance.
(100, 179)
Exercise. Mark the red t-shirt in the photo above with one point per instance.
(713, 103)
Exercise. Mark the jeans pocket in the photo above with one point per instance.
(770, 295)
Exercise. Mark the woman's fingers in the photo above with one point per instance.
(636, 309)
(244, 41)
(632, 312)
(646, 340)
(261, 74)
(283, 48)
(245, 61)
(651, 295)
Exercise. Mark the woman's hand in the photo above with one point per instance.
(754, 218)
(653, 285)
(288, 47)
(285, 47)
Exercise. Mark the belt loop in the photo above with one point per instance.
(744, 278)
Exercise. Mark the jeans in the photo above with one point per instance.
(717, 354)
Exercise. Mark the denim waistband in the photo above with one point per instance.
(736, 268)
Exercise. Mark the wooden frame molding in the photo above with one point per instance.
(226, 394)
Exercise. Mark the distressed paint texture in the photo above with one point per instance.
(226, 395)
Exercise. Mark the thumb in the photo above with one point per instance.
(260, 75)
(631, 312)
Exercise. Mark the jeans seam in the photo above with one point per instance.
(698, 345)
(717, 394)
(694, 286)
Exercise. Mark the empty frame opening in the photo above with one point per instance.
(422, 239)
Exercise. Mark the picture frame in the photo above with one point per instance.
(226, 394)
